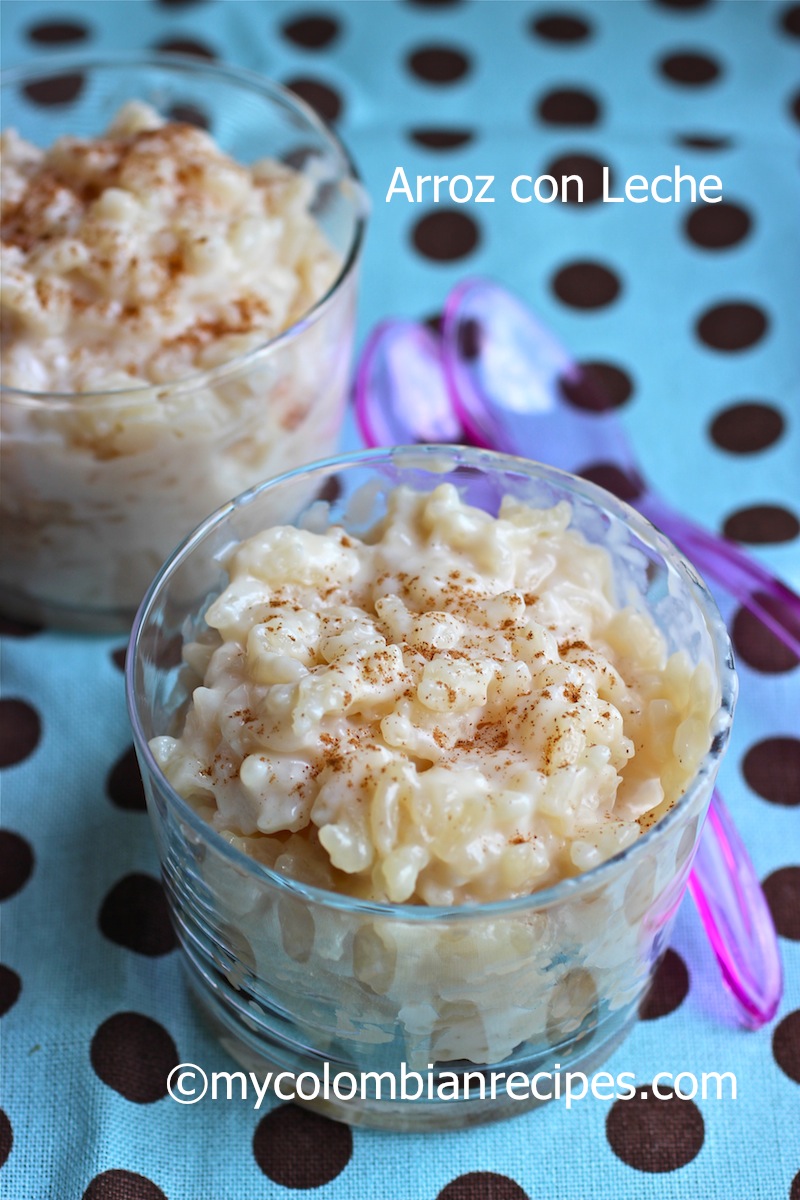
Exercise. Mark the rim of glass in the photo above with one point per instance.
(496, 463)
(249, 81)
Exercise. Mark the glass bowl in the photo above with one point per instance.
(299, 979)
(98, 488)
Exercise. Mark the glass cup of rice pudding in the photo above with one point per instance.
(428, 736)
(180, 253)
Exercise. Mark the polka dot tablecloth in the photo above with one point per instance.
(689, 315)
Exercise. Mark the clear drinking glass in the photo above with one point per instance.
(293, 977)
(98, 488)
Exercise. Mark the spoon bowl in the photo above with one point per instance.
(401, 396)
(514, 385)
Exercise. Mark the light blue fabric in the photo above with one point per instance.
(68, 1126)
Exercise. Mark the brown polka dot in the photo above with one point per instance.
(331, 489)
(445, 235)
(560, 28)
(794, 1190)
(134, 1055)
(794, 106)
(786, 1045)
(669, 988)
(124, 783)
(326, 102)
(122, 1185)
(298, 157)
(694, 70)
(297, 1148)
(589, 169)
(655, 1135)
(190, 46)
(164, 652)
(790, 20)
(441, 139)
(746, 427)
(736, 325)
(586, 285)
(119, 656)
(482, 1185)
(782, 890)
(568, 106)
(16, 863)
(21, 629)
(758, 646)
(10, 988)
(614, 480)
(597, 387)
(20, 730)
(135, 915)
(704, 141)
(6, 1137)
(314, 31)
(54, 90)
(718, 226)
(772, 769)
(434, 322)
(189, 114)
(470, 338)
(438, 64)
(761, 524)
(58, 33)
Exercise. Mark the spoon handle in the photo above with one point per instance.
(757, 589)
(734, 911)
(723, 882)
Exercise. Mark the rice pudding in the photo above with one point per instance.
(146, 278)
(453, 710)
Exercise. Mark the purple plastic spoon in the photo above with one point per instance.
(401, 394)
(516, 388)
(733, 909)
(401, 398)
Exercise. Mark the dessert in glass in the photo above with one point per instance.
(178, 316)
(428, 736)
